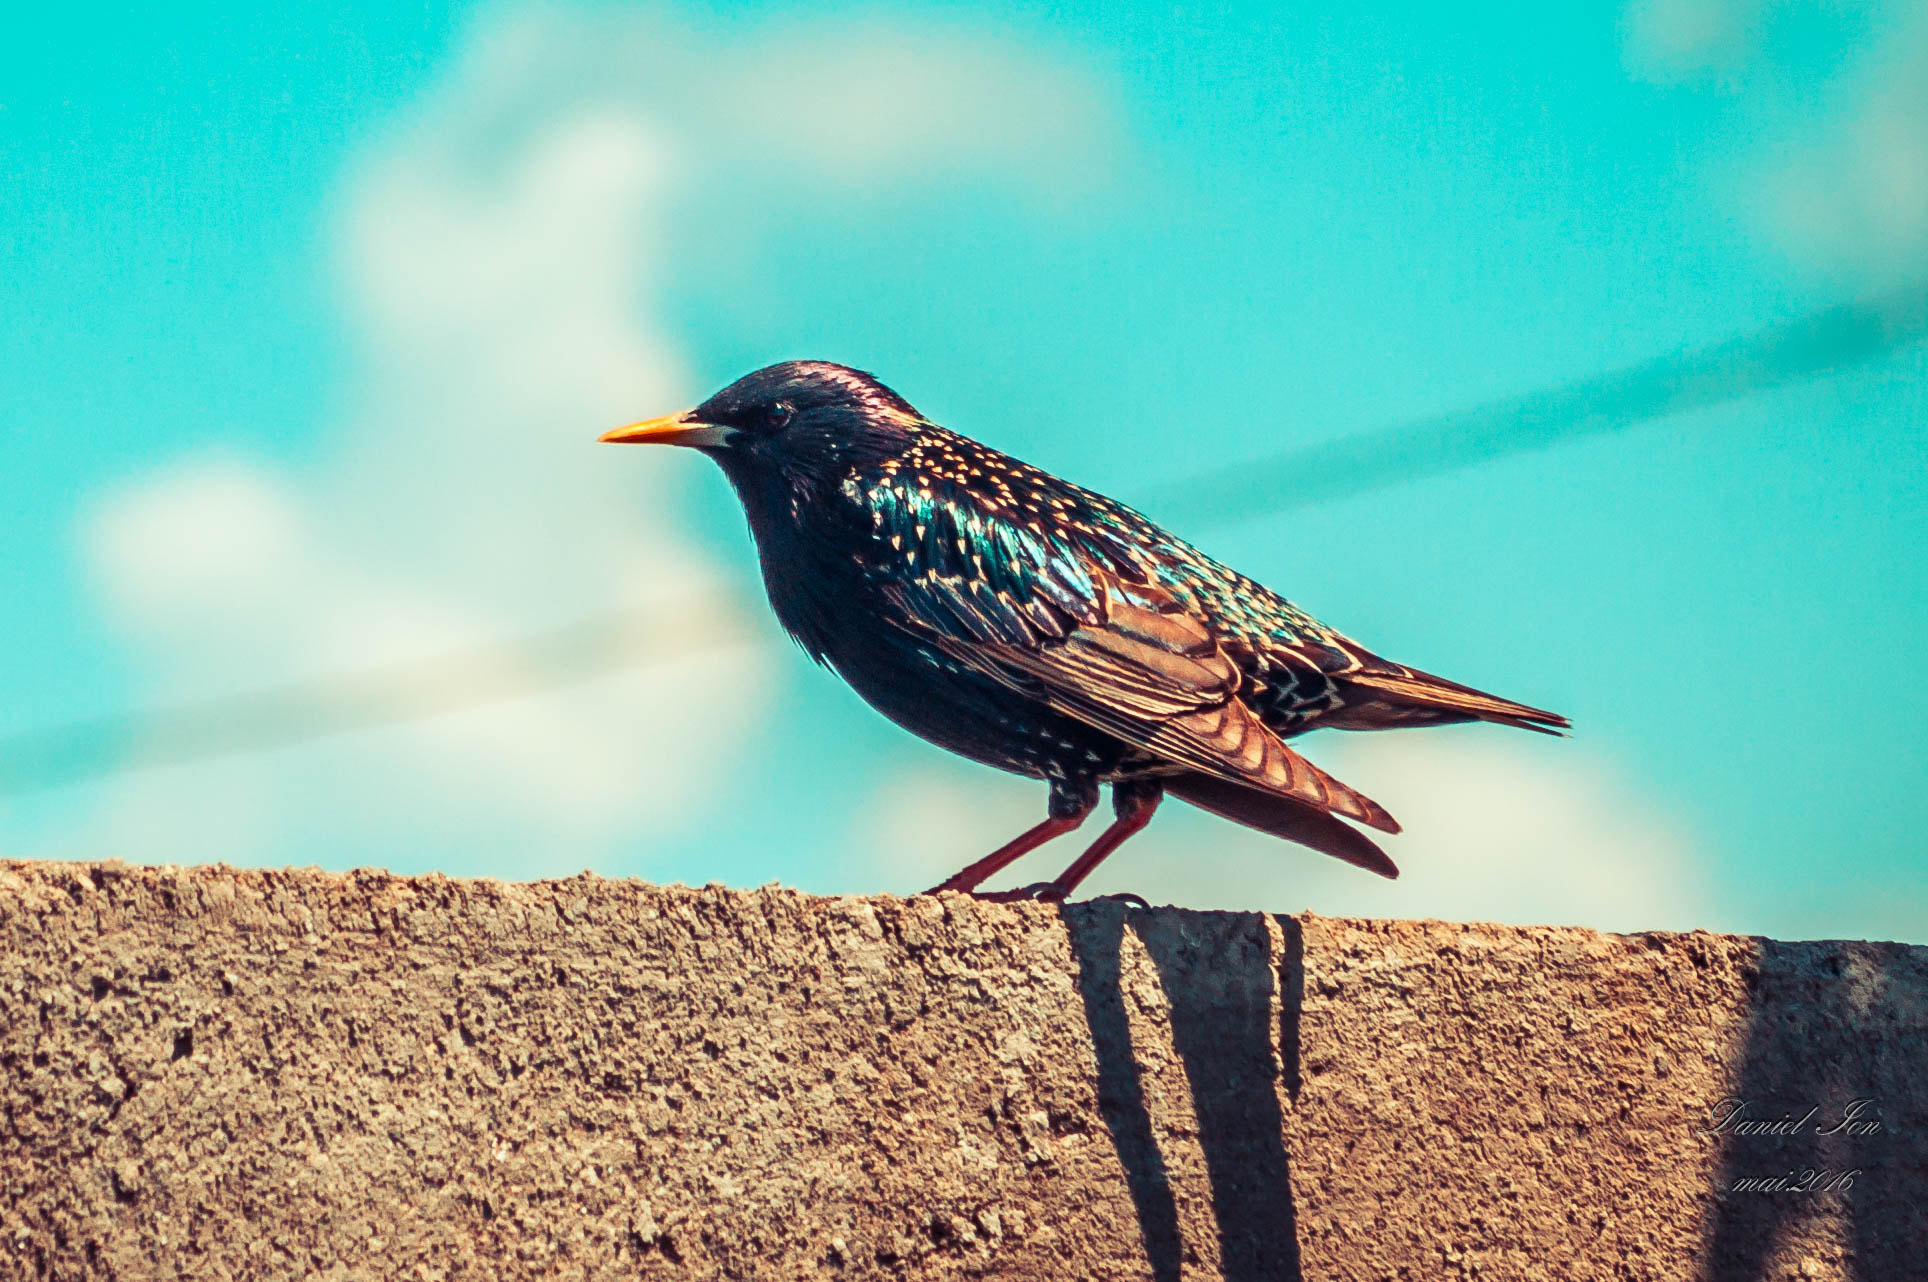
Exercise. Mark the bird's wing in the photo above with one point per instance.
(1155, 676)
(1078, 633)
(1286, 817)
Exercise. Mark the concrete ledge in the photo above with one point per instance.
(214, 1073)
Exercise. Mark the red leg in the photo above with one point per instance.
(1133, 814)
(969, 879)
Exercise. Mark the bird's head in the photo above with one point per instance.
(796, 424)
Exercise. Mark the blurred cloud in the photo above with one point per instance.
(867, 103)
(1853, 196)
(1677, 40)
(1835, 175)
(1521, 831)
(501, 258)
(769, 111)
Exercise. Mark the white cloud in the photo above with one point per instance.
(178, 546)
(864, 104)
(1525, 831)
(501, 259)
(832, 105)
(1852, 195)
(1830, 163)
(1673, 40)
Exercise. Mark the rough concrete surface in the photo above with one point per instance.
(213, 1073)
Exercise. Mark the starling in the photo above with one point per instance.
(1024, 622)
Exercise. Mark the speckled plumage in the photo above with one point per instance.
(1035, 626)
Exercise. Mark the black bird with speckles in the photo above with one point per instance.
(1034, 626)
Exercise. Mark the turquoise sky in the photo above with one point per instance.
(1128, 242)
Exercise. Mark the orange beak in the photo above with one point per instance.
(671, 429)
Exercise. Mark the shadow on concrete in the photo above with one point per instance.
(1832, 1005)
(1219, 977)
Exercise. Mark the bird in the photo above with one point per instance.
(1044, 629)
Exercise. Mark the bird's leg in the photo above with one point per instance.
(1133, 801)
(972, 876)
(1070, 803)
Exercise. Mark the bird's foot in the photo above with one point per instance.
(1050, 892)
(1043, 892)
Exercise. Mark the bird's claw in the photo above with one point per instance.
(1049, 892)
(1043, 892)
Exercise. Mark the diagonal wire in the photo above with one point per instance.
(1809, 347)
(278, 716)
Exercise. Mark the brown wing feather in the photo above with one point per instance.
(1284, 817)
(1259, 758)
(1148, 672)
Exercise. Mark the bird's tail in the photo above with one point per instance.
(1283, 816)
(1388, 697)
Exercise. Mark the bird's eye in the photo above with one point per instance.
(780, 415)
